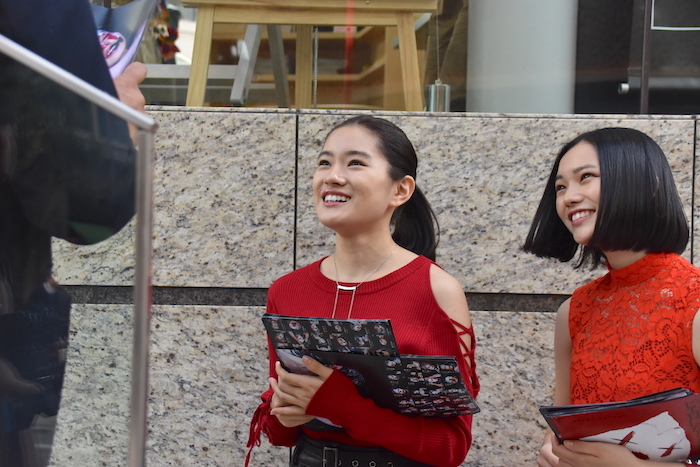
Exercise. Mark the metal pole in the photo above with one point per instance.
(142, 301)
(646, 59)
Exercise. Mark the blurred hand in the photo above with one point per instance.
(590, 454)
(546, 457)
(127, 86)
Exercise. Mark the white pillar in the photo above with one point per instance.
(522, 56)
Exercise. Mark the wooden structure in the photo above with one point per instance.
(305, 14)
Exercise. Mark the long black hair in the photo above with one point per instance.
(639, 207)
(415, 226)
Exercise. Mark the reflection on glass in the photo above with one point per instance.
(67, 171)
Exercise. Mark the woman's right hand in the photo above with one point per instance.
(288, 415)
(546, 457)
(292, 392)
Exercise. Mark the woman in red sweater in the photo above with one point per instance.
(382, 268)
(635, 331)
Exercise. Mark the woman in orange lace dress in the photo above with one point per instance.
(636, 330)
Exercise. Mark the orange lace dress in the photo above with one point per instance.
(631, 331)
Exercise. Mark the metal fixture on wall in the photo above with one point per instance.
(437, 94)
(662, 60)
(646, 59)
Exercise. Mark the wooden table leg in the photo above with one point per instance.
(199, 70)
(409, 61)
(304, 65)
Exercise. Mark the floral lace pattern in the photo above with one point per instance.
(631, 331)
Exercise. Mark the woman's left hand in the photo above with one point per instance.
(591, 454)
(293, 393)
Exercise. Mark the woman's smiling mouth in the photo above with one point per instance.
(334, 198)
(580, 215)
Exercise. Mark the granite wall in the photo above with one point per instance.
(233, 212)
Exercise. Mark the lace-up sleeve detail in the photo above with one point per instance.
(263, 422)
(468, 347)
(255, 430)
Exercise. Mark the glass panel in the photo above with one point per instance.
(530, 56)
(67, 170)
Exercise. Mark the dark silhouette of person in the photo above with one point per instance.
(67, 171)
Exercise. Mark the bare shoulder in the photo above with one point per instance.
(563, 309)
(449, 295)
(563, 312)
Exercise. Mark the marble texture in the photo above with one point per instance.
(209, 366)
(93, 420)
(515, 365)
(110, 262)
(229, 178)
(225, 197)
(233, 209)
(224, 206)
(208, 369)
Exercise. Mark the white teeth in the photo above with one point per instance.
(579, 215)
(335, 199)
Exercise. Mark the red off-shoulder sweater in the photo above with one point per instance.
(420, 326)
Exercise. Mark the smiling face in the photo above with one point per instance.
(577, 187)
(353, 191)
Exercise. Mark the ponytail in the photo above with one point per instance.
(415, 226)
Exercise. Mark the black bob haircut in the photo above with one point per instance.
(639, 207)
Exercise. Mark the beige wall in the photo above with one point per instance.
(225, 205)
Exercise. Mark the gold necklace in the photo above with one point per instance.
(353, 288)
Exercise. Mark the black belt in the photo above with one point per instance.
(312, 453)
